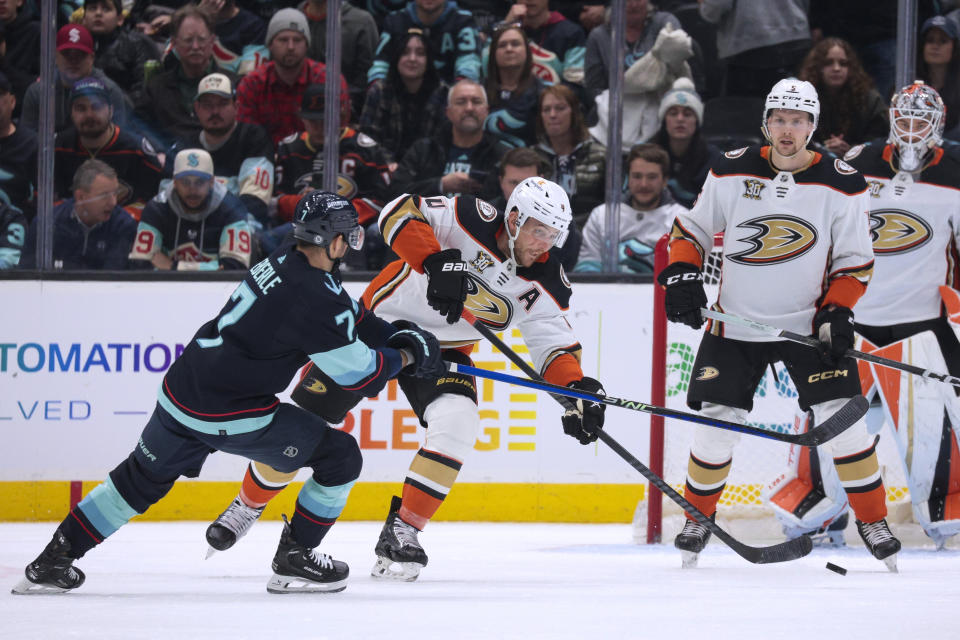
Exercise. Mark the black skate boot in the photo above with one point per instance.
(691, 541)
(52, 571)
(231, 525)
(880, 541)
(297, 569)
(398, 545)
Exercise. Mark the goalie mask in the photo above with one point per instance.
(321, 216)
(917, 116)
(791, 93)
(544, 201)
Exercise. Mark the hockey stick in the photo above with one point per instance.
(839, 422)
(810, 341)
(789, 550)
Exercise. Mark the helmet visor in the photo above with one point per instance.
(354, 238)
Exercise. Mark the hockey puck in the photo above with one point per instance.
(836, 569)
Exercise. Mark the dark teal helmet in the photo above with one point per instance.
(321, 216)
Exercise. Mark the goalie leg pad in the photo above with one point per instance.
(924, 415)
(808, 498)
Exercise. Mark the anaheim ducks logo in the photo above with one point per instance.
(493, 309)
(896, 231)
(778, 239)
(313, 385)
(708, 373)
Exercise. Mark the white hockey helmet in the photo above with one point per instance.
(545, 202)
(917, 118)
(791, 93)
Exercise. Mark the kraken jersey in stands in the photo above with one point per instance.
(787, 238)
(219, 236)
(363, 178)
(13, 230)
(914, 224)
(131, 156)
(243, 163)
(284, 313)
(534, 300)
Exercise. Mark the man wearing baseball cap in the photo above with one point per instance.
(94, 134)
(242, 152)
(194, 224)
(74, 61)
(270, 95)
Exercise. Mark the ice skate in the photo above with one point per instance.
(399, 554)
(297, 569)
(231, 525)
(881, 543)
(691, 541)
(52, 571)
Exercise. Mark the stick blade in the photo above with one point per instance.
(783, 552)
(836, 424)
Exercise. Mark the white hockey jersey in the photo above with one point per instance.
(914, 225)
(787, 238)
(535, 300)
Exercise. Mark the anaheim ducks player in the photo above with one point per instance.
(455, 252)
(797, 255)
(914, 203)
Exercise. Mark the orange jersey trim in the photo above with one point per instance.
(563, 370)
(844, 292)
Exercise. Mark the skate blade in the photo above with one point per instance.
(891, 562)
(689, 559)
(27, 588)
(405, 571)
(293, 584)
(210, 552)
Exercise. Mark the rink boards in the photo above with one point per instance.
(81, 362)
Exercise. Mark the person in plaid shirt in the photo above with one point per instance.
(271, 94)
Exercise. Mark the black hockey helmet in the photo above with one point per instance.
(321, 216)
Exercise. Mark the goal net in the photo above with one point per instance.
(757, 462)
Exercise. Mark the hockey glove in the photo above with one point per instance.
(684, 293)
(447, 289)
(585, 418)
(425, 348)
(833, 325)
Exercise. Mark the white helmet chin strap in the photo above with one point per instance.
(911, 156)
(511, 265)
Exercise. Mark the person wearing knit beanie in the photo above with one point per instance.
(287, 20)
(683, 94)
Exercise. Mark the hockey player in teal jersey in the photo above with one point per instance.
(220, 395)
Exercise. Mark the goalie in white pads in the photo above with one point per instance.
(456, 253)
(914, 206)
(797, 255)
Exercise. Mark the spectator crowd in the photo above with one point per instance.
(187, 130)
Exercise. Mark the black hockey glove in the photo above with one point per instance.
(684, 293)
(447, 289)
(833, 325)
(585, 418)
(424, 347)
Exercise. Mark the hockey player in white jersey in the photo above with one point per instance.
(455, 253)
(913, 181)
(797, 255)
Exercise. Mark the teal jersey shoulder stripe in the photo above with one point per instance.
(347, 365)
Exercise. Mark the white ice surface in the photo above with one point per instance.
(149, 580)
